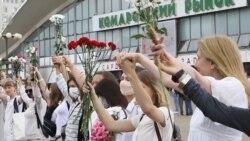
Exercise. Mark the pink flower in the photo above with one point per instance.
(19, 56)
(99, 132)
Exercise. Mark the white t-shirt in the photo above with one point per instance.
(132, 110)
(229, 91)
(8, 124)
(145, 130)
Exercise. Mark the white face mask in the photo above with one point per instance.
(126, 88)
(74, 92)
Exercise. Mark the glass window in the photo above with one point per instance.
(235, 38)
(52, 31)
(233, 22)
(183, 46)
(90, 25)
(244, 20)
(101, 36)
(92, 8)
(41, 35)
(207, 25)
(52, 46)
(79, 11)
(184, 26)
(126, 49)
(46, 32)
(133, 31)
(79, 27)
(221, 22)
(71, 14)
(117, 38)
(93, 36)
(114, 53)
(116, 5)
(66, 18)
(193, 45)
(125, 37)
(109, 36)
(133, 49)
(125, 4)
(65, 29)
(71, 28)
(195, 27)
(85, 26)
(41, 49)
(85, 9)
(47, 48)
(244, 40)
(108, 4)
(100, 6)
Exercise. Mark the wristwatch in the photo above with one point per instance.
(177, 76)
(184, 80)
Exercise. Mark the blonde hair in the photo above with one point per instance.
(148, 79)
(225, 54)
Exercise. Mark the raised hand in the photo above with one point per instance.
(168, 63)
(126, 62)
(67, 61)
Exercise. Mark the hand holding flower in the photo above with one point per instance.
(67, 62)
(168, 63)
(128, 66)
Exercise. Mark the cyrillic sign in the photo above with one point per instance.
(167, 10)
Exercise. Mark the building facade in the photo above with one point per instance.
(101, 20)
(8, 8)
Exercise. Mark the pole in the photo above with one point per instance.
(7, 64)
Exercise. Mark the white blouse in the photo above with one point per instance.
(229, 91)
(145, 130)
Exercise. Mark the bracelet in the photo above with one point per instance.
(177, 76)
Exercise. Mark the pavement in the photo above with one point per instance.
(183, 123)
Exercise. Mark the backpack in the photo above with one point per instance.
(16, 110)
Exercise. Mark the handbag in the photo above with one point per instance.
(19, 126)
(176, 130)
(18, 122)
(48, 127)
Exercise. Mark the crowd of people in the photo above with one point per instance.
(218, 86)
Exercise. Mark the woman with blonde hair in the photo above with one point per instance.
(156, 123)
(220, 72)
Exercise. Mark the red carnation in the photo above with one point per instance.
(83, 41)
(112, 46)
(102, 45)
(72, 45)
(93, 43)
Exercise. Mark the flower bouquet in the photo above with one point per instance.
(148, 12)
(32, 54)
(99, 132)
(17, 63)
(93, 52)
(60, 44)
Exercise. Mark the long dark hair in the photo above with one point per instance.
(110, 90)
(55, 95)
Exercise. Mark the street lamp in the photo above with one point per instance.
(6, 37)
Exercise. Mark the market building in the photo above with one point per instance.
(114, 20)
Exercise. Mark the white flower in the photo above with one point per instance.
(15, 58)
(8, 35)
(114, 110)
(22, 60)
(33, 50)
(10, 59)
(63, 39)
(27, 51)
(17, 36)
(57, 18)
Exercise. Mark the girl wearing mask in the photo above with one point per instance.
(132, 109)
(147, 91)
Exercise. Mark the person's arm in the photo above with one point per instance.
(108, 121)
(233, 117)
(42, 84)
(77, 74)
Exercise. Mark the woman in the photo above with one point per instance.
(221, 73)
(109, 92)
(148, 95)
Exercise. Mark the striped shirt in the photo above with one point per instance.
(71, 130)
